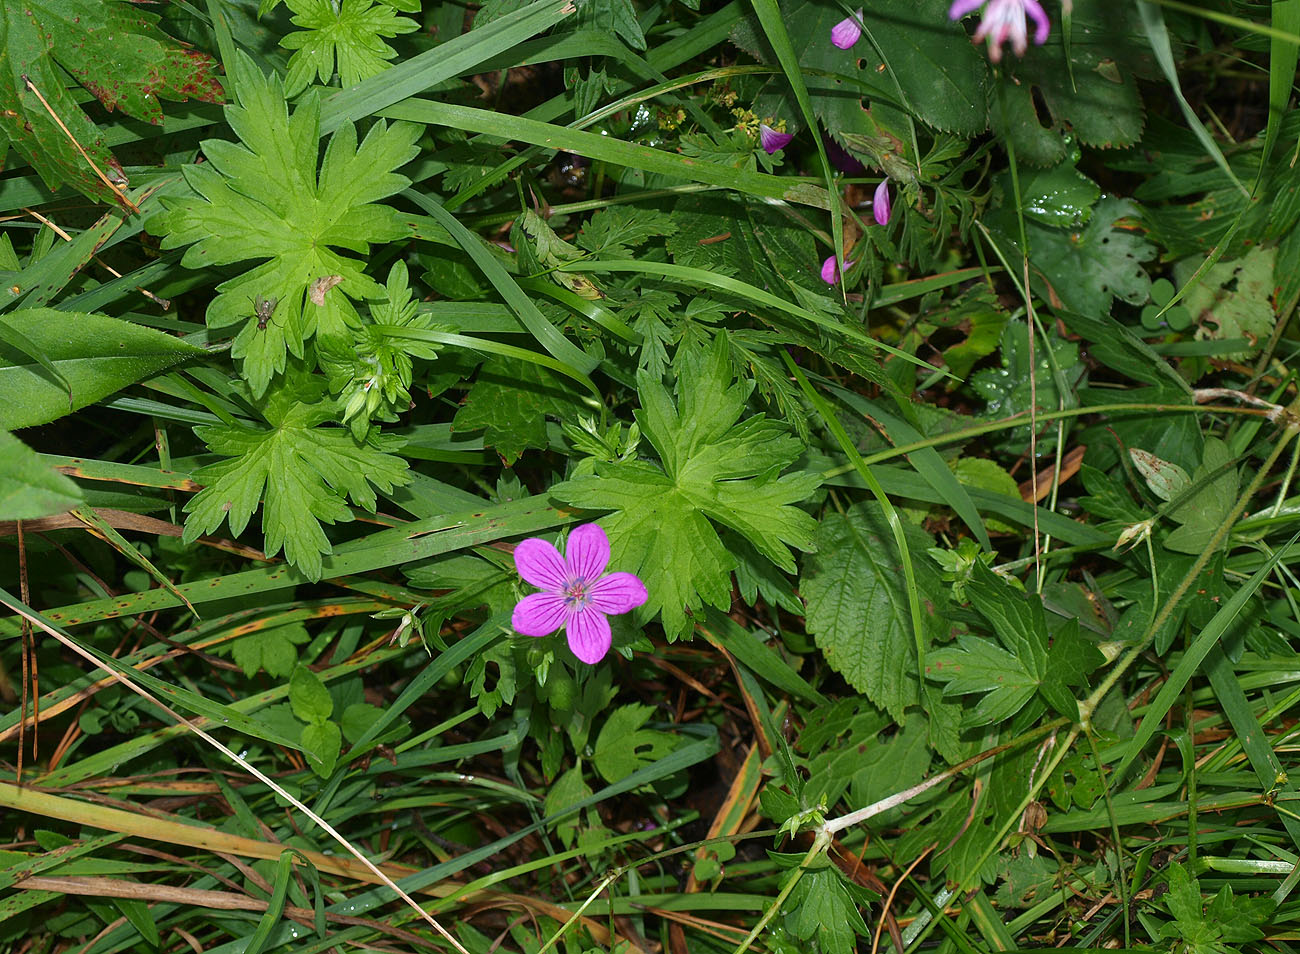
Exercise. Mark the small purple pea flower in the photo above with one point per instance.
(771, 140)
(848, 31)
(1004, 20)
(880, 203)
(831, 270)
(576, 592)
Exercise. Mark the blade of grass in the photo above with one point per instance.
(698, 276)
(442, 62)
(832, 422)
(274, 906)
(770, 19)
(1273, 778)
(1190, 664)
(563, 350)
(1153, 22)
(1282, 58)
(95, 657)
(608, 149)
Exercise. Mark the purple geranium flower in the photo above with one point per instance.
(1004, 20)
(771, 140)
(575, 592)
(847, 32)
(880, 204)
(831, 270)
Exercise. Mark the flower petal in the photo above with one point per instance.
(848, 31)
(771, 140)
(588, 553)
(540, 564)
(539, 614)
(589, 635)
(831, 271)
(880, 204)
(618, 593)
(962, 7)
(1042, 25)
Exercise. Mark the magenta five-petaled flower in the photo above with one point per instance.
(576, 592)
(848, 31)
(1004, 20)
(771, 140)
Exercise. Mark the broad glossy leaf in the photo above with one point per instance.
(30, 488)
(95, 354)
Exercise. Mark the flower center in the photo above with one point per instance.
(577, 594)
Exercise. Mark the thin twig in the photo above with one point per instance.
(116, 189)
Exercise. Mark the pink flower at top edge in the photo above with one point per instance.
(771, 140)
(880, 203)
(576, 594)
(848, 31)
(1004, 20)
(831, 270)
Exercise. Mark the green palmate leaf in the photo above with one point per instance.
(858, 611)
(1087, 85)
(350, 33)
(510, 402)
(1215, 928)
(30, 488)
(266, 199)
(116, 52)
(95, 355)
(1029, 661)
(305, 469)
(273, 650)
(715, 467)
(822, 910)
(623, 746)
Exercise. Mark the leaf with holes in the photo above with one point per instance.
(929, 64)
(1089, 268)
(1233, 301)
(1091, 96)
(623, 746)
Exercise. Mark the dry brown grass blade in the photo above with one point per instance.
(1041, 483)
